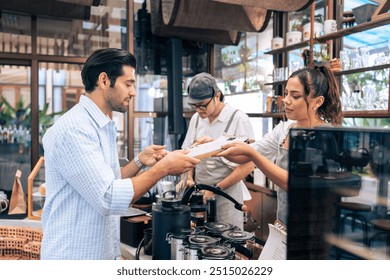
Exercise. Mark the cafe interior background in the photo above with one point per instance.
(43, 47)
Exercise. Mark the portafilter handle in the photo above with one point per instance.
(186, 198)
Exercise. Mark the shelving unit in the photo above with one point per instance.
(283, 56)
(278, 83)
(354, 29)
(289, 48)
(363, 69)
(267, 115)
(367, 114)
(281, 53)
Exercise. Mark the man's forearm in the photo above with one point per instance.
(143, 182)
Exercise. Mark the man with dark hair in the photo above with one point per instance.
(86, 190)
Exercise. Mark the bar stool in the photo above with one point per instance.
(383, 227)
(355, 209)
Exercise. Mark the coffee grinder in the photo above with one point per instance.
(169, 215)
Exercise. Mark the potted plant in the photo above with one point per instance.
(294, 36)
(321, 55)
(318, 27)
(22, 114)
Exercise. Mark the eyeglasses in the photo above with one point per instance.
(201, 107)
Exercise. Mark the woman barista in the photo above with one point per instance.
(311, 99)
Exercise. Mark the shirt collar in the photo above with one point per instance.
(97, 115)
(225, 113)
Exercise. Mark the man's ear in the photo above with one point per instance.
(217, 95)
(103, 79)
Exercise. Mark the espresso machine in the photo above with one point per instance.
(169, 215)
(174, 210)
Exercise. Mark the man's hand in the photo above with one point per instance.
(207, 194)
(190, 182)
(177, 162)
(151, 154)
(202, 140)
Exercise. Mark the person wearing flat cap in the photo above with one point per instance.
(212, 119)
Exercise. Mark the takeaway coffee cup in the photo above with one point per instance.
(330, 26)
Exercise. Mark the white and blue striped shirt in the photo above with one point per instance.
(85, 194)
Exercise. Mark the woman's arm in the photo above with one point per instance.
(275, 173)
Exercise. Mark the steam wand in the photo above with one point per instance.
(198, 187)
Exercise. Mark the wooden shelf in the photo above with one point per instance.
(354, 29)
(267, 115)
(359, 70)
(289, 48)
(346, 114)
(367, 114)
(278, 83)
(343, 32)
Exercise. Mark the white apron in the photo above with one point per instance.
(212, 170)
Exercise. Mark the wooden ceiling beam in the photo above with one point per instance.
(47, 8)
(82, 2)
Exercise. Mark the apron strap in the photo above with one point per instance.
(226, 128)
(196, 127)
(230, 121)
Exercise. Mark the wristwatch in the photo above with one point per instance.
(138, 162)
(218, 187)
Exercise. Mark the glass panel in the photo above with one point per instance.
(152, 94)
(299, 30)
(105, 28)
(338, 193)
(149, 131)
(366, 122)
(60, 88)
(15, 118)
(366, 49)
(358, 11)
(261, 126)
(15, 33)
(254, 102)
(366, 91)
(245, 68)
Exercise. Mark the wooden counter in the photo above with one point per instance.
(261, 210)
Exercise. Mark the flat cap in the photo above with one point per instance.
(201, 87)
